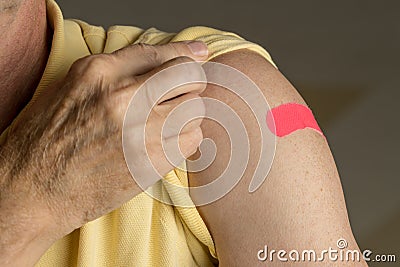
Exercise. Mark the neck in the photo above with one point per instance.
(24, 43)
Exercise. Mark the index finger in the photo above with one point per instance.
(140, 58)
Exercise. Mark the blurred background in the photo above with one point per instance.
(343, 58)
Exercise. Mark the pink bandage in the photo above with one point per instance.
(289, 118)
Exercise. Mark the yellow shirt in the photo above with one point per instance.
(144, 231)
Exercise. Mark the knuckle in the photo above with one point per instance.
(79, 65)
(98, 65)
(150, 52)
(92, 67)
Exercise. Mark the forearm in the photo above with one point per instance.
(25, 228)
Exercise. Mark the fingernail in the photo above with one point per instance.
(198, 48)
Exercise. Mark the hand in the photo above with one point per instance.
(63, 162)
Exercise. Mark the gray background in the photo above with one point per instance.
(341, 55)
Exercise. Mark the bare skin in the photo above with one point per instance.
(60, 176)
(24, 46)
(300, 205)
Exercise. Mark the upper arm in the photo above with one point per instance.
(299, 206)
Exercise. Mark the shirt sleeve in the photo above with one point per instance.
(220, 42)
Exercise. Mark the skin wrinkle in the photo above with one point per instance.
(24, 48)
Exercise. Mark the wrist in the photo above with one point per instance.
(25, 234)
(26, 228)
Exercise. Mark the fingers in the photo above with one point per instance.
(173, 78)
(173, 129)
(118, 68)
(179, 148)
(164, 102)
(171, 133)
(180, 115)
(139, 59)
